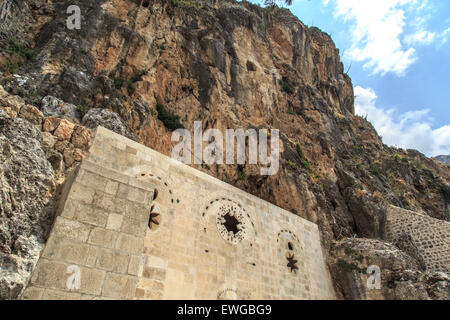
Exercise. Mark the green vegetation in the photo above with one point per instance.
(397, 157)
(21, 92)
(375, 170)
(154, 113)
(306, 164)
(136, 77)
(190, 3)
(11, 66)
(27, 93)
(19, 56)
(241, 174)
(292, 165)
(299, 149)
(349, 251)
(120, 82)
(417, 164)
(88, 102)
(171, 121)
(294, 211)
(18, 48)
(30, 96)
(429, 171)
(358, 149)
(349, 267)
(303, 161)
(287, 86)
(354, 254)
(181, 3)
(272, 3)
(82, 110)
(421, 167)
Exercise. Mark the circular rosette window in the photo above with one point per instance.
(231, 222)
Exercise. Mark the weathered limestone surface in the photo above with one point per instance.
(401, 277)
(139, 225)
(37, 154)
(26, 186)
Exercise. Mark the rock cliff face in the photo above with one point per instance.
(230, 65)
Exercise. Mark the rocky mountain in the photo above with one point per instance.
(444, 159)
(145, 67)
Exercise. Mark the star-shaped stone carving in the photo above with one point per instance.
(292, 263)
(155, 218)
(231, 223)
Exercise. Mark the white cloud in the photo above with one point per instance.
(444, 37)
(378, 31)
(420, 37)
(410, 130)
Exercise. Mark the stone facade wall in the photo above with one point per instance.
(425, 238)
(139, 225)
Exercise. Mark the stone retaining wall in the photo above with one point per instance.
(423, 237)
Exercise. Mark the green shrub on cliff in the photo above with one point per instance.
(286, 86)
(299, 149)
(16, 47)
(170, 120)
(19, 56)
(119, 82)
(190, 3)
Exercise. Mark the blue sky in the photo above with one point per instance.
(398, 56)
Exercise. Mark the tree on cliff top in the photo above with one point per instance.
(274, 2)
